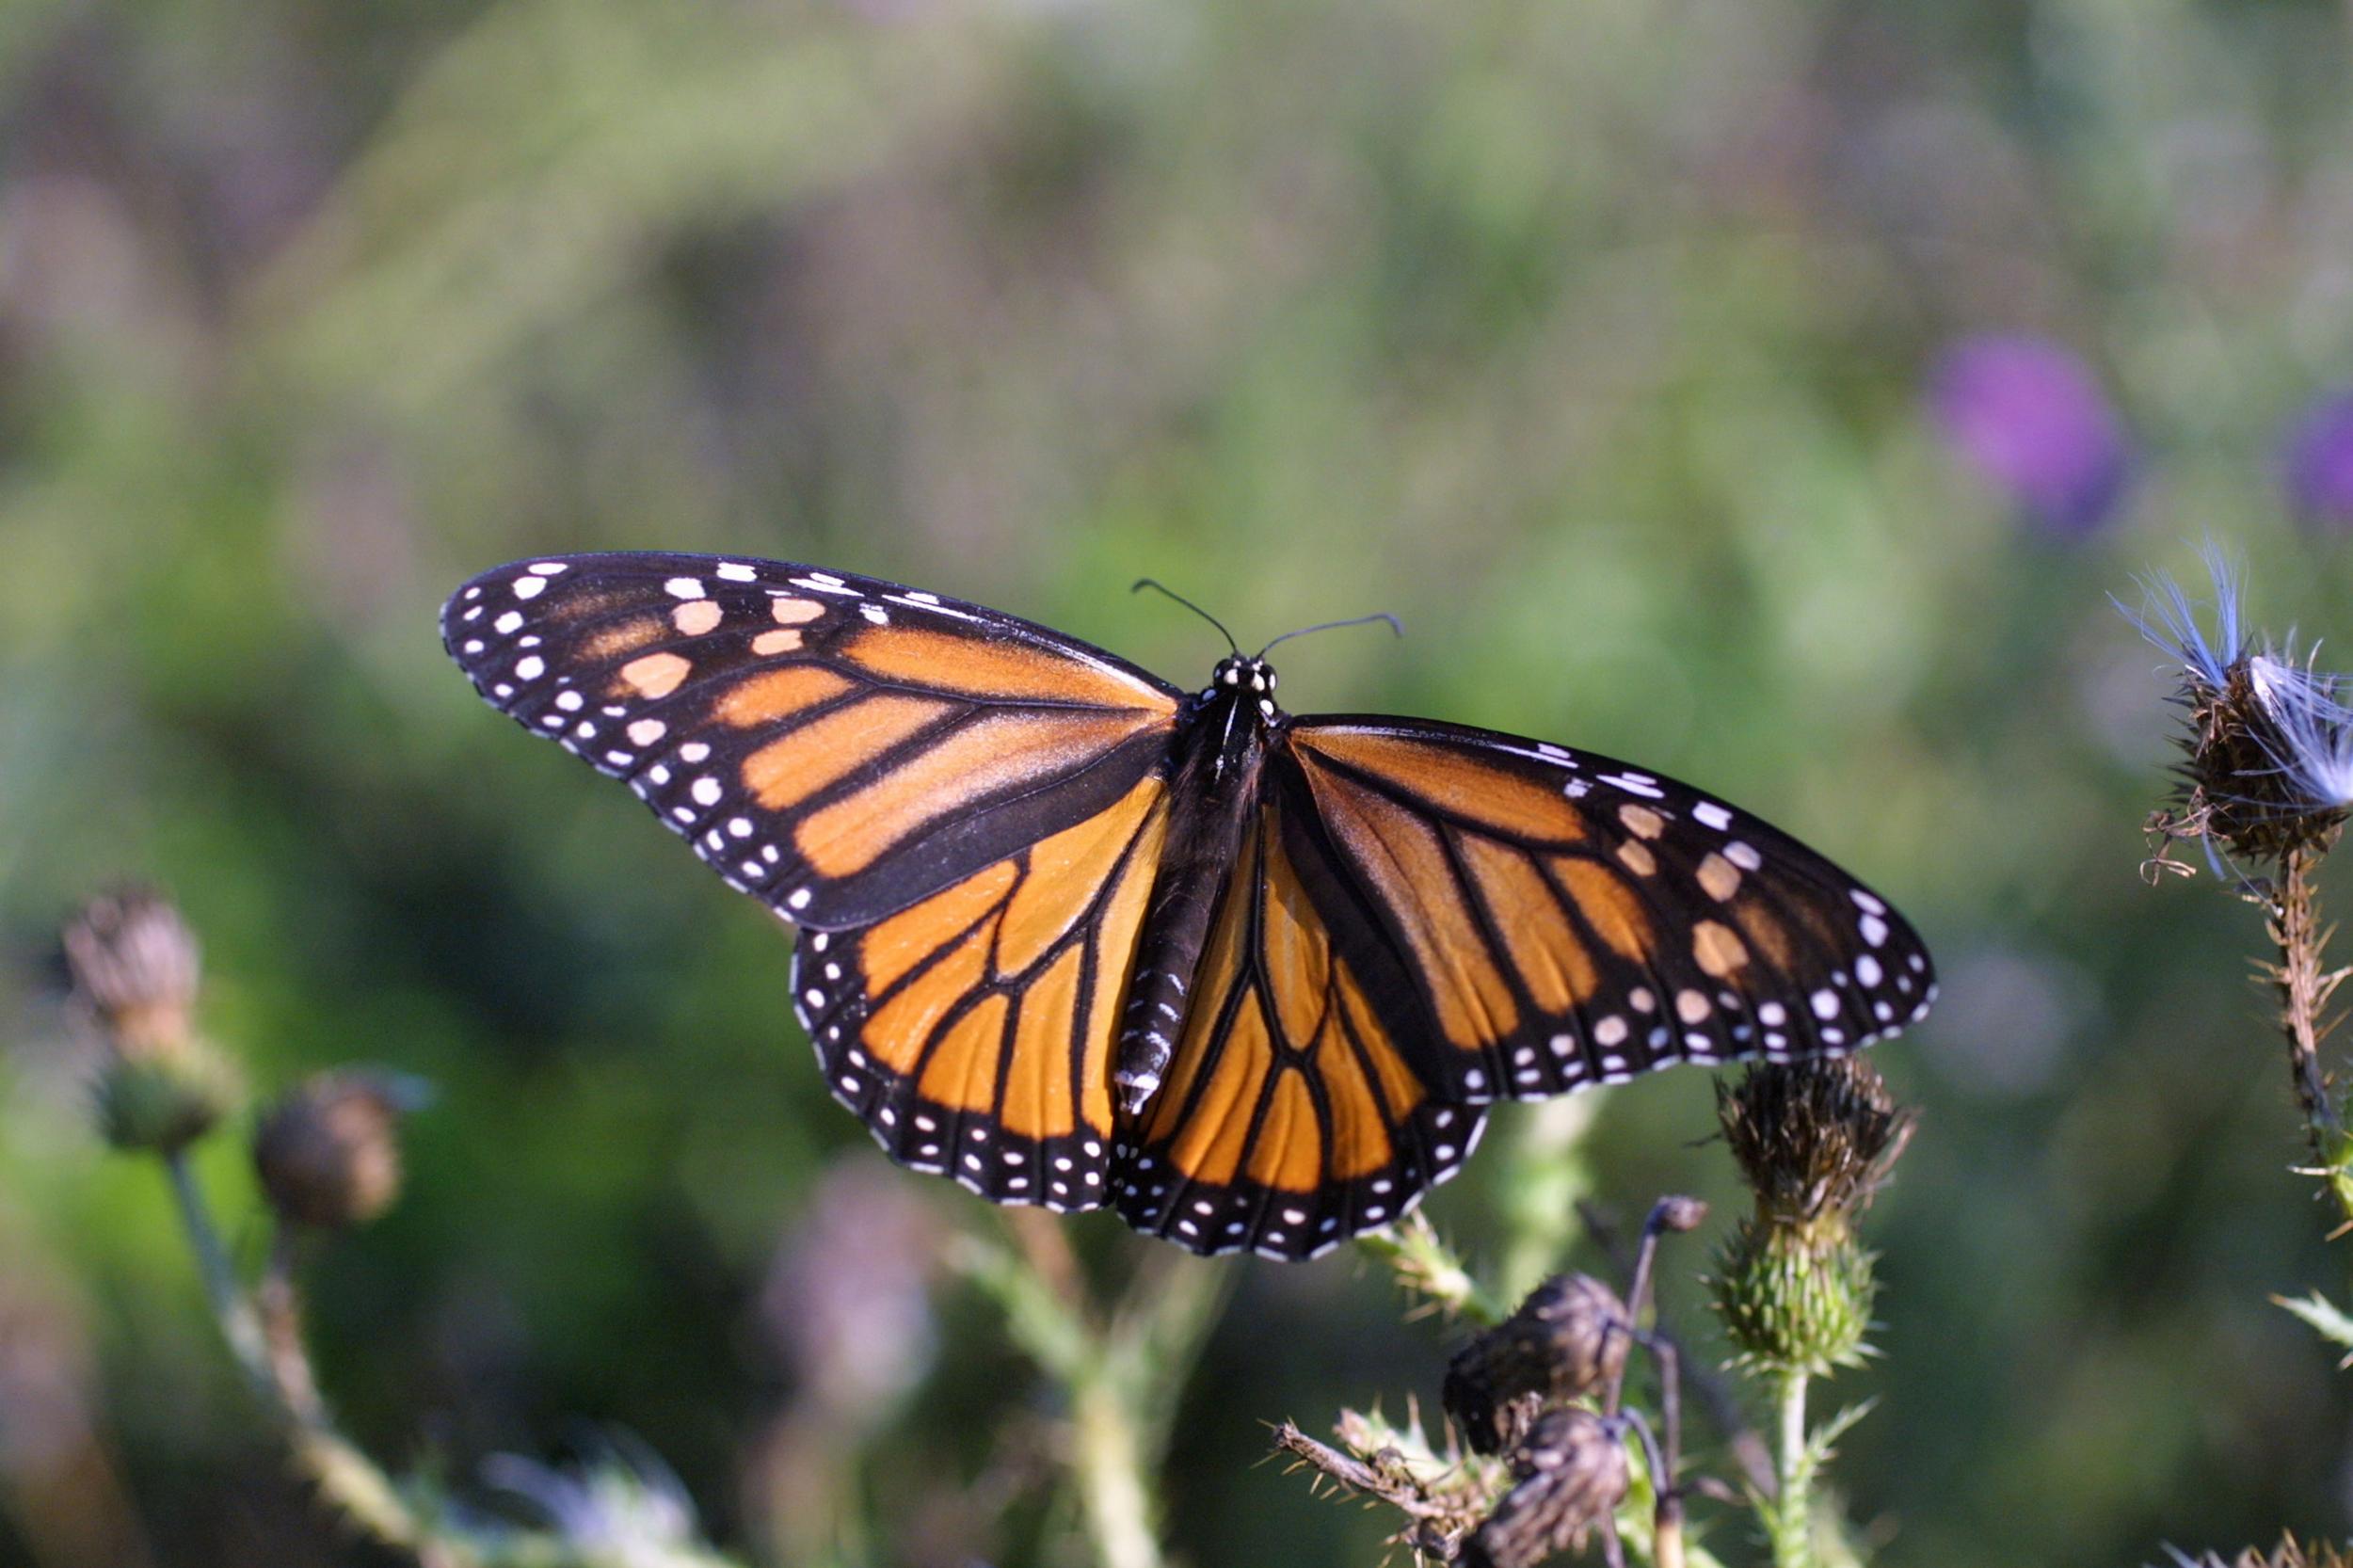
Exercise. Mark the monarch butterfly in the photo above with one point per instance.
(1076, 937)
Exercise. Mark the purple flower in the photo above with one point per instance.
(2317, 459)
(2030, 416)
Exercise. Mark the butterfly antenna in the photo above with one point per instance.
(1144, 582)
(1394, 624)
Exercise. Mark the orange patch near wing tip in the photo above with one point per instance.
(653, 675)
(1765, 933)
(1716, 949)
(627, 638)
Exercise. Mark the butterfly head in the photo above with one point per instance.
(1247, 680)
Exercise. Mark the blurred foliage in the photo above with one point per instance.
(1587, 338)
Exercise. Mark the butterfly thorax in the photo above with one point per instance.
(1214, 786)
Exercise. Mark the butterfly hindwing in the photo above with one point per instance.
(972, 1031)
(1292, 1117)
(1568, 920)
(838, 746)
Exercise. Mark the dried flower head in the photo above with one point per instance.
(329, 1154)
(136, 966)
(1569, 1337)
(1814, 1140)
(2268, 738)
(1679, 1214)
(1569, 1475)
(136, 972)
(1812, 1137)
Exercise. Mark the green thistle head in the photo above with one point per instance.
(1814, 1140)
(135, 971)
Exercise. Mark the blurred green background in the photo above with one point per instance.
(1596, 341)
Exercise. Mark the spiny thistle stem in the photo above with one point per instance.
(1424, 1264)
(2303, 988)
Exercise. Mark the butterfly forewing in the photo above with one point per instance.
(1292, 1117)
(839, 747)
(1568, 920)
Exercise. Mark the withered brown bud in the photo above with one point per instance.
(157, 1087)
(1812, 1137)
(1569, 1475)
(1678, 1214)
(136, 966)
(1568, 1337)
(329, 1154)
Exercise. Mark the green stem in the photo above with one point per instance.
(1122, 1379)
(240, 1325)
(1108, 1466)
(1790, 1522)
(343, 1474)
(1545, 1179)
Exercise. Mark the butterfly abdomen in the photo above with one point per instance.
(1218, 755)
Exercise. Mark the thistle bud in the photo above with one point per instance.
(2268, 741)
(1569, 1475)
(135, 971)
(1815, 1141)
(1568, 1337)
(328, 1154)
(1677, 1215)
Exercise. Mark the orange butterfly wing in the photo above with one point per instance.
(1292, 1117)
(1567, 920)
(838, 746)
(972, 1031)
